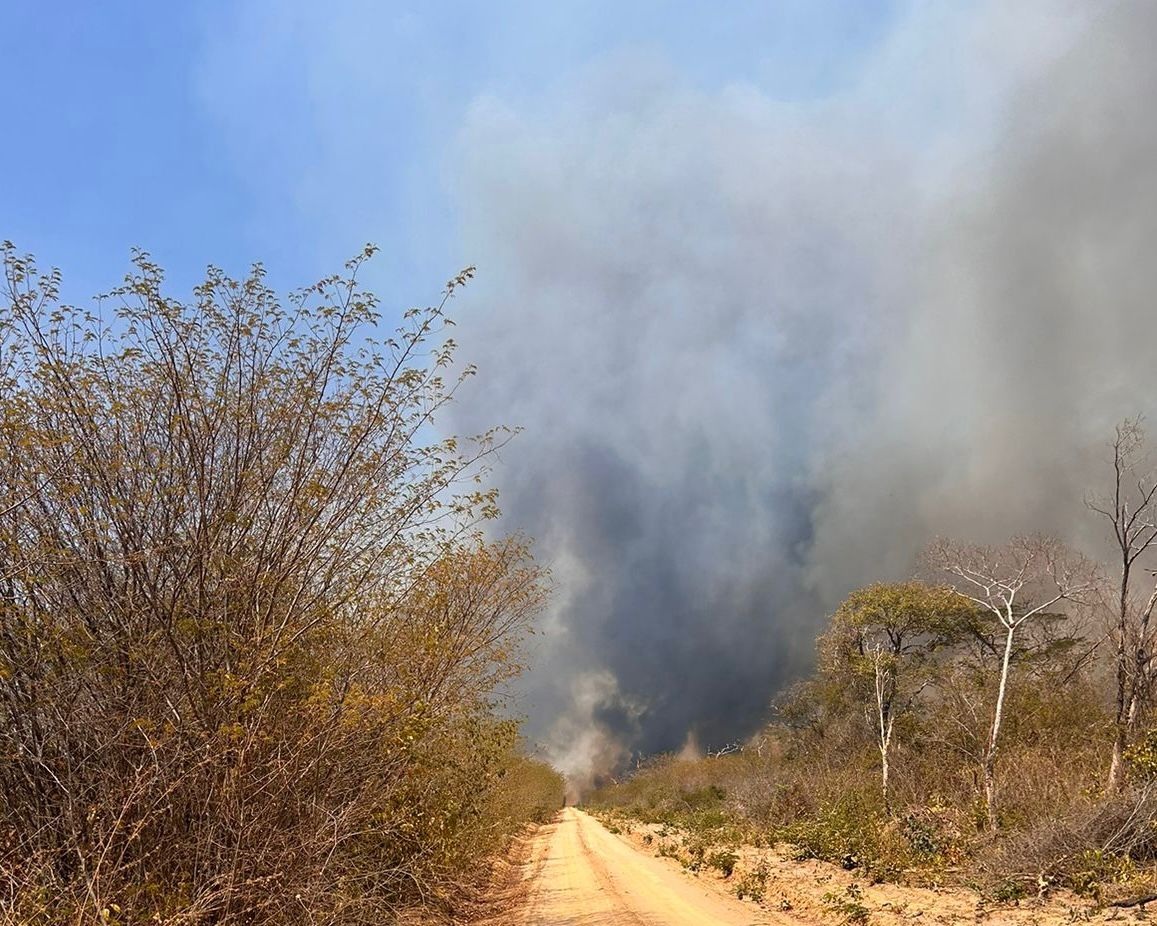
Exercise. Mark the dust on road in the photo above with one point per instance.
(583, 875)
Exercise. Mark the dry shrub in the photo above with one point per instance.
(1096, 842)
(250, 639)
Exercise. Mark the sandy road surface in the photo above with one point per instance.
(583, 875)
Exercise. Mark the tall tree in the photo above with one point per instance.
(883, 639)
(1024, 580)
(1130, 507)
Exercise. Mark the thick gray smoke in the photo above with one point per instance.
(764, 350)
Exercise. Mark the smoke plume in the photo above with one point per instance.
(763, 350)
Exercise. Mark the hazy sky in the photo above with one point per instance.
(292, 132)
(778, 290)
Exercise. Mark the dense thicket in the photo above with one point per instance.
(251, 640)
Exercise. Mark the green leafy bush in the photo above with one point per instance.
(849, 906)
(753, 884)
(723, 861)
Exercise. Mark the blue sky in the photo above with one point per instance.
(293, 132)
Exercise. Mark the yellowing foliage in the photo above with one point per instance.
(252, 641)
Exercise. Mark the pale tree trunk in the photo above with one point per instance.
(1117, 761)
(1124, 696)
(885, 745)
(1140, 671)
(997, 718)
(885, 722)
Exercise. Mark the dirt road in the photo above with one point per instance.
(583, 875)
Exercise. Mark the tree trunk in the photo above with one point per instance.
(994, 737)
(1140, 669)
(885, 767)
(1123, 695)
(884, 778)
(990, 790)
(1115, 764)
(885, 720)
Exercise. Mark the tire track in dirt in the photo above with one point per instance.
(604, 876)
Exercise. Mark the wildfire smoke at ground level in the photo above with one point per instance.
(764, 350)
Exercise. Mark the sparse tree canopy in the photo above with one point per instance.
(902, 617)
(882, 642)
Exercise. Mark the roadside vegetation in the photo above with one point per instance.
(253, 643)
(987, 723)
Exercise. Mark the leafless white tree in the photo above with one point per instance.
(1018, 582)
(884, 676)
(1131, 508)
